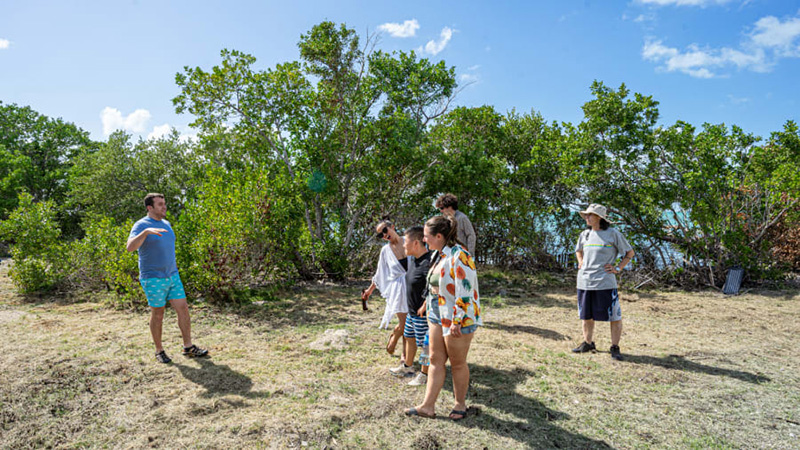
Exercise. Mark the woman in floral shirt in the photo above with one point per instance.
(452, 319)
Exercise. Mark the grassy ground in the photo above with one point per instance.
(702, 371)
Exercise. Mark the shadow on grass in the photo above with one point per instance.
(533, 423)
(219, 379)
(681, 363)
(527, 329)
(789, 293)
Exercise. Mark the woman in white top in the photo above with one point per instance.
(390, 280)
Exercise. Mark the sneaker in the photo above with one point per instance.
(402, 371)
(584, 347)
(194, 351)
(615, 353)
(420, 380)
(162, 357)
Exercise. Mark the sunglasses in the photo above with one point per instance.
(383, 232)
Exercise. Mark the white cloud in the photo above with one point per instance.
(434, 47)
(401, 30)
(159, 131)
(184, 136)
(683, 2)
(700, 73)
(770, 41)
(754, 59)
(4, 44)
(770, 32)
(470, 77)
(694, 61)
(655, 51)
(467, 78)
(641, 18)
(113, 120)
(188, 137)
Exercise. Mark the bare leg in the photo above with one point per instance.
(588, 330)
(616, 331)
(397, 333)
(411, 350)
(436, 371)
(184, 322)
(457, 349)
(156, 319)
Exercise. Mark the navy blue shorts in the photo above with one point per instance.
(602, 306)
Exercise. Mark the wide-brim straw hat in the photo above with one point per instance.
(594, 208)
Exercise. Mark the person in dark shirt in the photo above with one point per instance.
(416, 326)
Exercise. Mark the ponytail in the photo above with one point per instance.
(446, 226)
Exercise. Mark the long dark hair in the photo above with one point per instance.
(446, 226)
(603, 225)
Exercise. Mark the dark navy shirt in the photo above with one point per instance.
(416, 281)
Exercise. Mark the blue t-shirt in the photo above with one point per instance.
(157, 253)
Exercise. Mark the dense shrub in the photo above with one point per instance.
(785, 241)
(113, 180)
(40, 261)
(237, 234)
(101, 260)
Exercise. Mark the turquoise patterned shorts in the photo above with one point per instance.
(159, 290)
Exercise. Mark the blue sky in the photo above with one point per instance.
(111, 64)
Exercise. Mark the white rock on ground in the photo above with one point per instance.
(331, 340)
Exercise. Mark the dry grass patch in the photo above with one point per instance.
(702, 370)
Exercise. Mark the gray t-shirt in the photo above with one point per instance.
(466, 233)
(599, 248)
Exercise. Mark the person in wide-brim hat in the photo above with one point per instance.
(597, 250)
(594, 208)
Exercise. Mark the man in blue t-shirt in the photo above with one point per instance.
(152, 235)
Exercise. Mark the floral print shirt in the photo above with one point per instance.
(459, 301)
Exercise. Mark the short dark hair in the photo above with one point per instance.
(148, 199)
(416, 233)
(604, 224)
(447, 200)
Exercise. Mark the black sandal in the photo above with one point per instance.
(194, 351)
(460, 415)
(162, 357)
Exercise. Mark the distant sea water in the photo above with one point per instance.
(560, 242)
